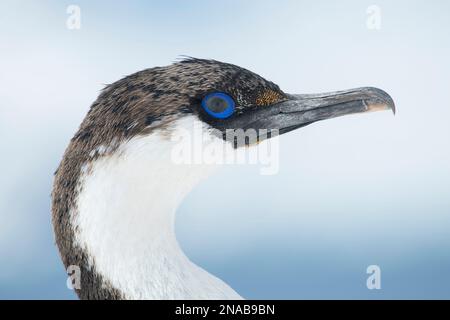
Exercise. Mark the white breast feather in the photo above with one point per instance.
(125, 221)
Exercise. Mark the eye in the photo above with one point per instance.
(218, 105)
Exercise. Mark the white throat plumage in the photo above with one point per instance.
(125, 221)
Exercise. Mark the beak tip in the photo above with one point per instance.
(378, 97)
(391, 104)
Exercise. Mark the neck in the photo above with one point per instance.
(125, 223)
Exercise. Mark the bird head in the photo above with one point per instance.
(231, 98)
(222, 96)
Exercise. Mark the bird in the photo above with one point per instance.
(117, 188)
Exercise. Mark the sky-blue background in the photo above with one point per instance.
(351, 192)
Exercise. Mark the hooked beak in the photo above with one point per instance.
(300, 110)
(303, 109)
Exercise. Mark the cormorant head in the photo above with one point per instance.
(224, 96)
(228, 97)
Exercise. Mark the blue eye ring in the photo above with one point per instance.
(229, 108)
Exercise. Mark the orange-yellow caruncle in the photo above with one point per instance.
(268, 97)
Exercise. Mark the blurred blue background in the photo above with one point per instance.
(351, 192)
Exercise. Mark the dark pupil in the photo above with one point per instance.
(216, 104)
